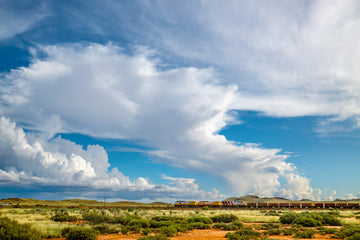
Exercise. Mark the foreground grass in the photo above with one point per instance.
(40, 220)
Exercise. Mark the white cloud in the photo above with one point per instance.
(349, 196)
(100, 91)
(16, 18)
(30, 162)
(287, 58)
(330, 197)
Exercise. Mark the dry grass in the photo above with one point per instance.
(39, 218)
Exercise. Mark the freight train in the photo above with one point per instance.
(241, 204)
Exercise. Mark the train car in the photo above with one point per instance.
(185, 203)
(329, 205)
(273, 205)
(239, 204)
(295, 205)
(262, 205)
(341, 205)
(227, 203)
(319, 205)
(307, 205)
(252, 204)
(284, 205)
(353, 205)
(209, 203)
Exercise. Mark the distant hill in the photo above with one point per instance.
(78, 203)
(254, 198)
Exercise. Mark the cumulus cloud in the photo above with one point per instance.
(330, 197)
(100, 91)
(287, 58)
(29, 162)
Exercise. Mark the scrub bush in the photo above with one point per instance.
(104, 228)
(95, 218)
(310, 219)
(307, 233)
(12, 230)
(288, 218)
(226, 218)
(156, 237)
(242, 234)
(200, 225)
(81, 234)
(205, 220)
(228, 227)
(63, 217)
(169, 231)
(348, 232)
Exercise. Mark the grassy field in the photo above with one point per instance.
(40, 217)
(77, 203)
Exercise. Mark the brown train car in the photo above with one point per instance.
(273, 205)
(251, 204)
(284, 205)
(341, 205)
(306, 205)
(262, 205)
(329, 205)
(319, 205)
(353, 205)
(295, 205)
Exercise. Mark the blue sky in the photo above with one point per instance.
(159, 100)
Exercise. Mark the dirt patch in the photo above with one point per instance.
(195, 234)
(211, 234)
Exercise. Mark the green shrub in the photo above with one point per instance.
(63, 217)
(167, 218)
(243, 234)
(127, 219)
(200, 225)
(273, 231)
(104, 228)
(323, 231)
(156, 237)
(140, 223)
(355, 237)
(266, 226)
(146, 231)
(307, 233)
(307, 221)
(205, 220)
(157, 224)
(272, 213)
(169, 231)
(288, 218)
(288, 231)
(226, 218)
(228, 227)
(348, 231)
(12, 230)
(81, 234)
(95, 218)
(125, 230)
(330, 219)
(311, 219)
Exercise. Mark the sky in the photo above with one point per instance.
(179, 100)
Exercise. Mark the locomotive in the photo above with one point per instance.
(241, 204)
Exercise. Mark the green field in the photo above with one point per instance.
(130, 217)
